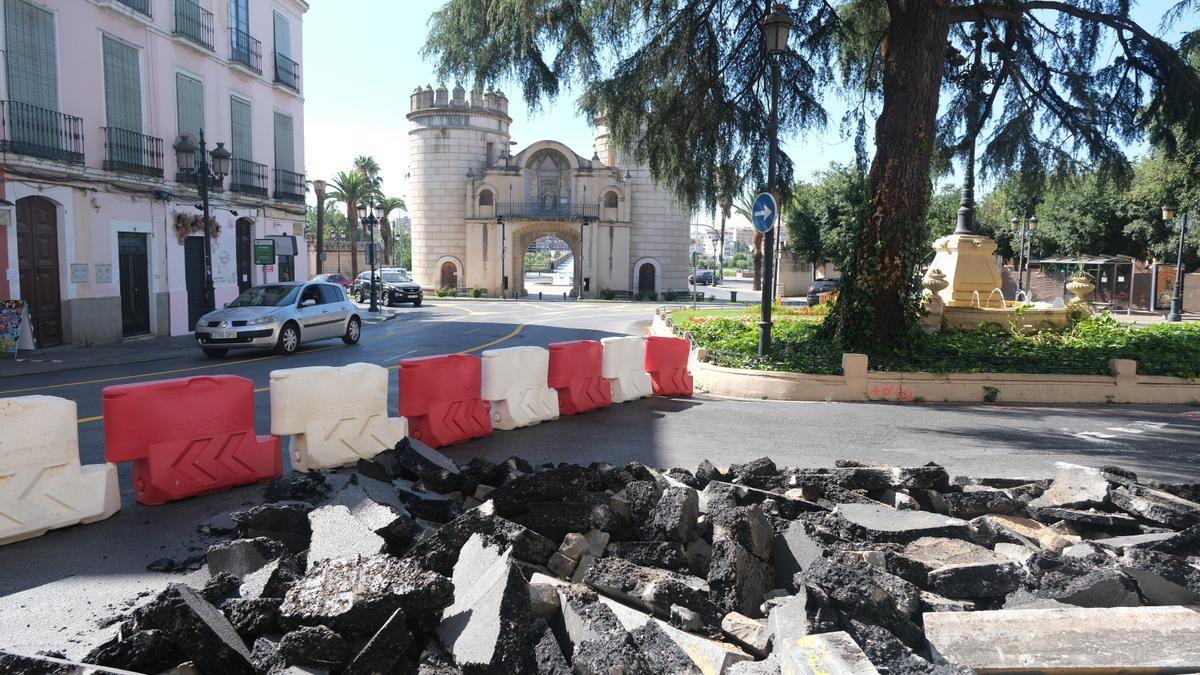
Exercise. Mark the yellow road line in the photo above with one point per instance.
(97, 418)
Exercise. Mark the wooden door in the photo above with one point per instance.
(135, 283)
(245, 253)
(37, 262)
(646, 278)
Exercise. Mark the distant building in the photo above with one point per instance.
(625, 232)
(104, 240)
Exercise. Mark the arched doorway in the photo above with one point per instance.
(525, 234)
(37, 262)
(647, 277)
(549, 268)
(448, 277)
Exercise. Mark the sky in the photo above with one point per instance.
(362, 60)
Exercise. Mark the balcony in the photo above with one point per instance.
(132, 152)
(287, 72)
(289, 186)
(245, 50)
(40, 132)
(139, 6)
(538, 211)
(248, 177)
(195, 23)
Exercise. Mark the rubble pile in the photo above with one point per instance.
(412, 564)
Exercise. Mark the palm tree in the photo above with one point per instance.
(388, 204)
(367, 166)
(744, 207)
(351, 189)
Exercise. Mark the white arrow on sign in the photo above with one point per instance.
(764, 213)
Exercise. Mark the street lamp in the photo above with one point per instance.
(319, 188)
(1023, 231)
(503, 256)
(1176, 312)
(775, 29)
(369, 216)
(187, 153)
(582, 224)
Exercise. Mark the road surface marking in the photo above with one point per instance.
(97, 418)
(1127, 430)
(1095, 437)
(497, 341)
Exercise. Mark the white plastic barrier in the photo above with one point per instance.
(514, 382)
(333, 416)
(42, 485)
(625, 368)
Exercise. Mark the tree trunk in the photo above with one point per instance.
(385, 233)
(878, 302)
(352, 217)
(758, 261)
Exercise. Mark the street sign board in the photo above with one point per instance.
(264, 251)
(765, 212)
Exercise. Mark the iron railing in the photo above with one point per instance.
(187, 177)
(139, 6)
(248, 177)
(549, 211)
(40, 132)
(287, 72)
(245, 50)
(195, 23)
(289, 186)
(128, 151)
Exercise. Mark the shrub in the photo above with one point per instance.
(608, 294)
(670, 296)
(478, 292)
(445, 292)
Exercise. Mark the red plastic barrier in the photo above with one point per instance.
(667, 363)
(440, 396)
(575, 372)
(189, 436)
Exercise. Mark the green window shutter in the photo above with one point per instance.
(243, 139)
(189, 100)
(283, 37)
(31, 53)
(122, 86)
(285, 156)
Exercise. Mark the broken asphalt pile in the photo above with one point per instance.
(411, 564)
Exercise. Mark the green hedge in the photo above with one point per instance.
(1084, 349)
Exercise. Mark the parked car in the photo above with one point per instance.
(703, 278)
(396, 287)
(818, 287)
(335, 278)
(280, 316)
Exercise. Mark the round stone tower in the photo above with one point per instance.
(449, 136)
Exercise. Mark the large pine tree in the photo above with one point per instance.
(683, 82)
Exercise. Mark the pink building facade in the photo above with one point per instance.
(99, 228)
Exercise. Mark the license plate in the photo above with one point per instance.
(223, 334)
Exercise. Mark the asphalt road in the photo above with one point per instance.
(55, 590)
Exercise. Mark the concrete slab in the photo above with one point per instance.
(1106, 640)
(824, 653)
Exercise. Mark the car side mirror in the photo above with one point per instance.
(308, 303)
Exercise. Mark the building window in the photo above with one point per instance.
(122, 86)
(610, 200)
(285, 156)
(189, 100)
(31, 55)
(485, 198)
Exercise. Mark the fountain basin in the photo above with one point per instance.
(1032, 318)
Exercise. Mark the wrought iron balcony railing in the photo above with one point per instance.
(139, 6)
(287, 72)
(187, 177)
(195, 23)
(248, 177)
(289, 186)
(548, 211)
(128, 151)
(40, 132)
(245, 50)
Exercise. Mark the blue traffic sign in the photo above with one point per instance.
(765, 212)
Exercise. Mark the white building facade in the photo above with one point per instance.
(476, 208)
(103, 238)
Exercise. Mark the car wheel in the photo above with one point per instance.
(353, 331)
(416, 303)
(387, 299)
(289, 339)
(360, 296)
(215, 353)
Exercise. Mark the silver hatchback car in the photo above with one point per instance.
(280, 316)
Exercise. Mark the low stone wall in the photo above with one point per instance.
(857, 383)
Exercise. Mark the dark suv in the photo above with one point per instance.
(818, 287)
(395, 287)
(703, 278)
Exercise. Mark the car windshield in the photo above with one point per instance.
(394, 277)
(267, 296)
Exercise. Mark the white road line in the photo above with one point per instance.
(1127, 430)
(1097, 437)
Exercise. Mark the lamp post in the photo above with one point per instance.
(1024, 229)
(775, 29)
(319, 189)
(582, 224)
(369, 216)
(187, 154)
(503, 256)
(1176, 312)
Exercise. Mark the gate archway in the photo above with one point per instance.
(525, 234)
